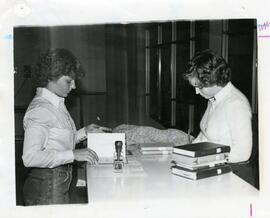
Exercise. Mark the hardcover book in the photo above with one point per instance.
(178, 158)
(201, 149)
(200, 173)
(199, 166)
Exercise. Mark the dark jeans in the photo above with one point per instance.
(48, 186)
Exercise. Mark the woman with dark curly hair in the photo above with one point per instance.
(227, 119)
(50, 133)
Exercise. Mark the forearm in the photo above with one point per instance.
(241, 135)
(241, 147)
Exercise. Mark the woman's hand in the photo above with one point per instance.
(94, 128)
(85, 154)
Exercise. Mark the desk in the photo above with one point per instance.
(148, 177)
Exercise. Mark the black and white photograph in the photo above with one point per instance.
(124, 109)
(168, 86)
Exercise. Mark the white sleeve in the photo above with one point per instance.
(199, 138)
(35, 154)
(239, 120)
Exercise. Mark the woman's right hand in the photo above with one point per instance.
(94, 128)
(85, 154)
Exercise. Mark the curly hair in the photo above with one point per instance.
(55, 63)
(209, 68)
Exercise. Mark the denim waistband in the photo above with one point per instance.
(44, 171)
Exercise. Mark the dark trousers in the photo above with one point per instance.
(48, 186)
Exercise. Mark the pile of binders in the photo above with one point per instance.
(200, 160)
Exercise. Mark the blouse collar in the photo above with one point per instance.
(50, 96)
(221, 95)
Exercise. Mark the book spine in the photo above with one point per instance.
(200, 173)
(184, 152)
(215, 157)
(211, 151)
(213, 172)
(189, 167)
(199, 160)
(183, 173)
(199, 166)
(184, 159)
(184, 176)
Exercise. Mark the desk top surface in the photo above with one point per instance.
(148, 177)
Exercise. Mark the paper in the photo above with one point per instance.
(104, 145)
(131, 169)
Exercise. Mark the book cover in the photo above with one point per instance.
(198, 160)
(200, 173)
(201, 149)
(199, 166)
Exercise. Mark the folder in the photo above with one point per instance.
(200, 173)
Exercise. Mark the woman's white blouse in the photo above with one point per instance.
(50, 133)
(227, 120)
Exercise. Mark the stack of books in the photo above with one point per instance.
(158, 148)
(200, 160)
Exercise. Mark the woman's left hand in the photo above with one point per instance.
(94, 128)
